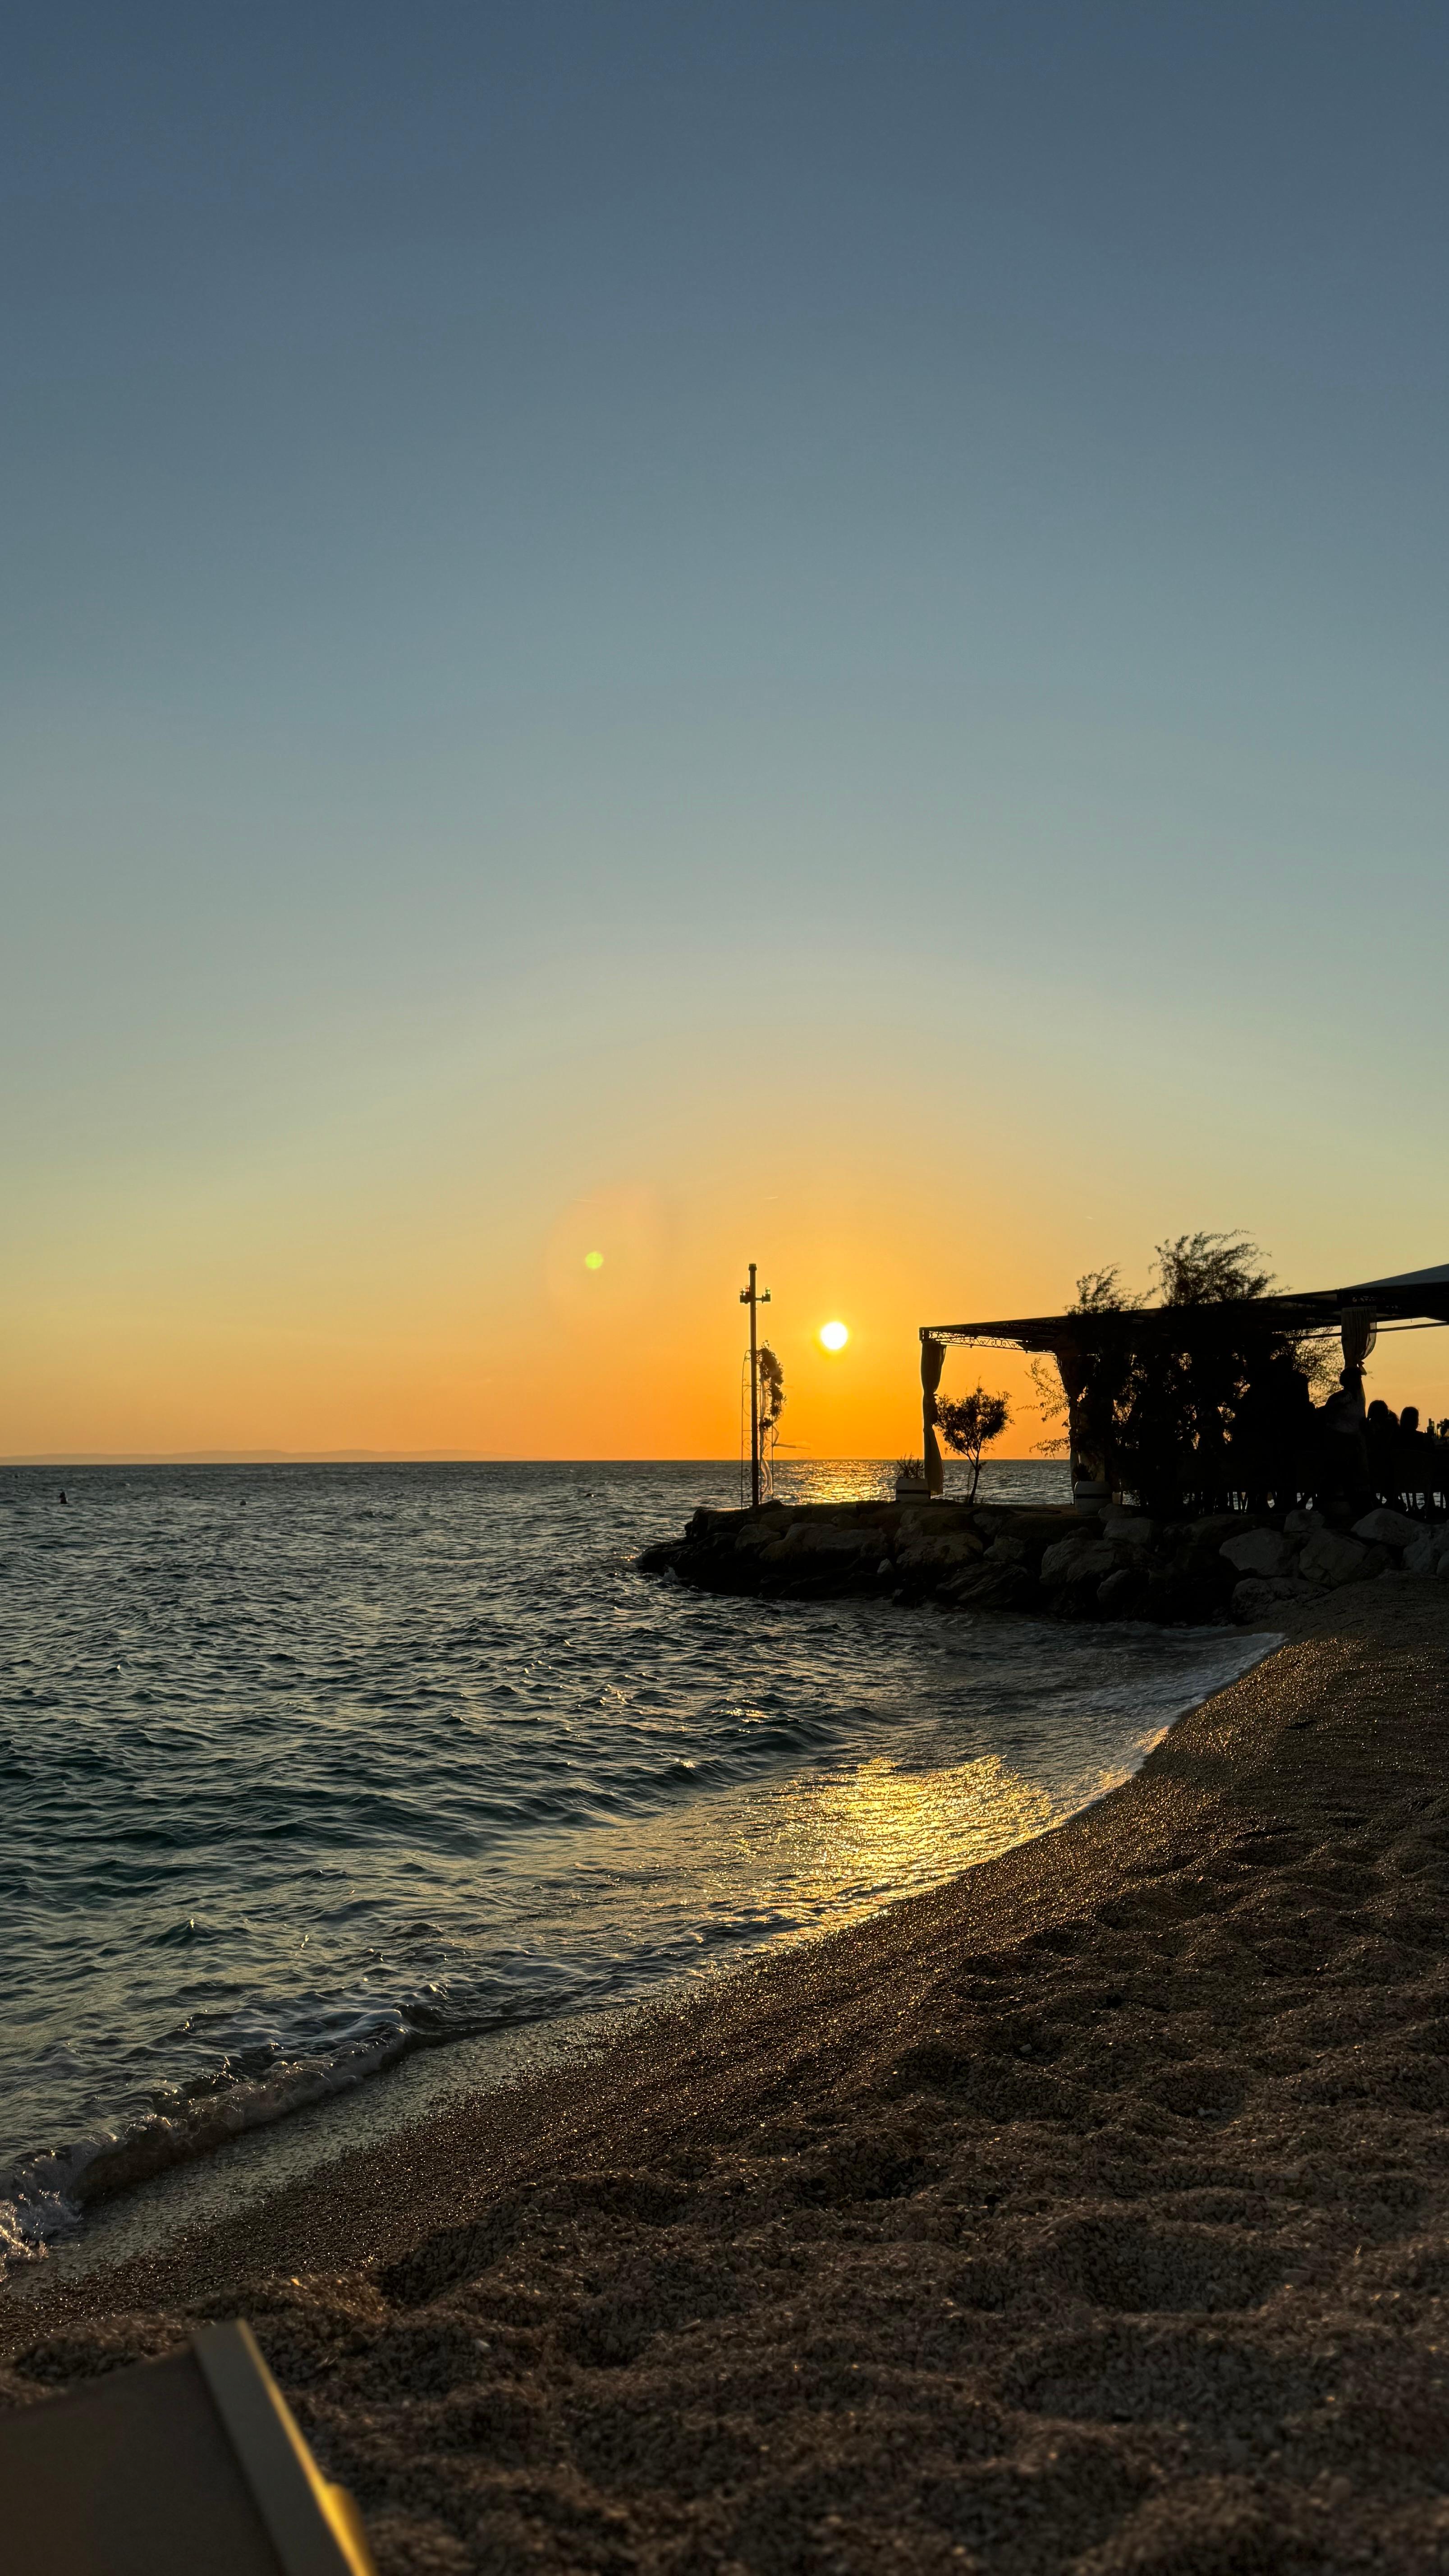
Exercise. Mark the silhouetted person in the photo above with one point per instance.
(1418, 1459)
(64, 1496)
(1272, 1430)
(1344, 1450)
(1345, 1413)
(1393, 1465)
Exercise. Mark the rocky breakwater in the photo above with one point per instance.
(1113, 1564)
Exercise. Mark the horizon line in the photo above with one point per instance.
(418, 1458)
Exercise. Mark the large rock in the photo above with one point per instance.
(1302, 1523)
(1258, 1594)
(1428, 1547)
(1129, 1531)
(1264, 1552)
(954, 1549)
(1036, 1532)
(1188, 1600)
(990, 1587)
(1384, 1528)
(1077, 1560)
(767, 1531)
(1199, 1545)
(1123, 1595)
(1330, 1558)
(932, 1520)
(828, 1539)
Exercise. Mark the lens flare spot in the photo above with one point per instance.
(834, 1336)
(593, 1261)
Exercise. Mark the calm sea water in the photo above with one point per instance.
(306, 1767)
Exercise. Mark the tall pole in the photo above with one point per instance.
(754, 1395)
(754, 1298)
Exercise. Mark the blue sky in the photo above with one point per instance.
(642, 598)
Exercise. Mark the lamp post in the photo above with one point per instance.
(754, 1298)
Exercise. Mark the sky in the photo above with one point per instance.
(810, 632)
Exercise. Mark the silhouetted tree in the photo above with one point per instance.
(1051, 1404)
(1205, 1270)
(969, 1423)
(1196, 1396)
(1099, 1293)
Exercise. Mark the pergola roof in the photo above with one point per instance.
(1409, 1297)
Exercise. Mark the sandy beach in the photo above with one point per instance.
(1089, 2213)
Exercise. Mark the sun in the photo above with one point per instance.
(834, 1336)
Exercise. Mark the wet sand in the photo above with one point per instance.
(1090, 2213)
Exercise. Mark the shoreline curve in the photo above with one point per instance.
(1090, 2212)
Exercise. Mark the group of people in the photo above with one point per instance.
(1379, 1418)
(1369, 1451)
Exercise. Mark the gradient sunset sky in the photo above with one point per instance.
(808, 632)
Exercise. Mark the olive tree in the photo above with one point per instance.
(969, 1423)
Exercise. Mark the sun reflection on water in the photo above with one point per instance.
(1037, 1481)
(839, 1841)
(828, 1848)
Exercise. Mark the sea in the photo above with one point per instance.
(307, 1772)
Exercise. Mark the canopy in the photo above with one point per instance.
(1409, 1297)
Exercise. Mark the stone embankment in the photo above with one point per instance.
(1062, 1564)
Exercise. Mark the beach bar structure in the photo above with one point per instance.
(1084, 1342)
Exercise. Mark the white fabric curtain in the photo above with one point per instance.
(933, 1360)
(1359, 1328)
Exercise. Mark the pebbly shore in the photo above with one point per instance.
(1059, 1564)
(1086, 2217)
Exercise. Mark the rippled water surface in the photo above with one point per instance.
(306, 1766)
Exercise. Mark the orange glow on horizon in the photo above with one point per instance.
(568, 1287)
